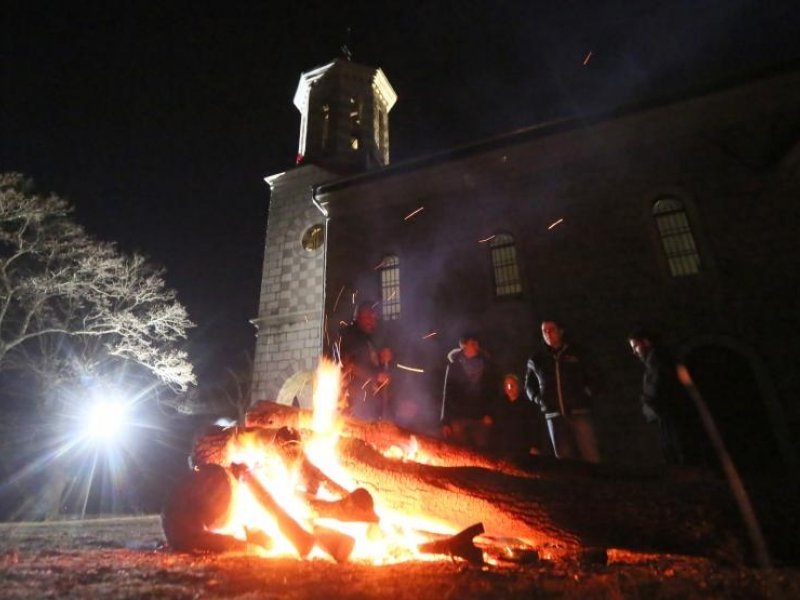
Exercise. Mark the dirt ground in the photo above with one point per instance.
(125, 558)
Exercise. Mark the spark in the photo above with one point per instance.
(355, 293)
(343, 323)
(429, 335)
(392, 295)
(381, 386)
(484, 240)
(412, 213)
(554, 223)
(588, 57)
(379, 265)
(335, 304)
(412, 369)
(365, 383)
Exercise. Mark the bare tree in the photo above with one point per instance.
(232, 394)
(74, 311)
(58, 283)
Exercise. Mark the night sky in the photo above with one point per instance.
(159, 121)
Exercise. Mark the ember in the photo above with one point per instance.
(414, 212)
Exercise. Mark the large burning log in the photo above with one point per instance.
(554, 506)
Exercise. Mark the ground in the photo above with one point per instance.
(125, 558)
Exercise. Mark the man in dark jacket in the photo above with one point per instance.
(558, 380)
(666, 403)
(364, 377)
(470, 384)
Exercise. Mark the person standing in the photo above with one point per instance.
(666, 403)
(470, 384)
(515, 422)
(558, 380)
(363, 378)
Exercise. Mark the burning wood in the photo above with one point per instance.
(356, 506)
(338, 545)
(299, 537)
(405, 484)
(459, 545)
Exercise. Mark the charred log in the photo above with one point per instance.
(460, 545)
(356, 506)
(383, 436)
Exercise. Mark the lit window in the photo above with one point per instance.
(507, 281)
(390, 287)
(676, 237)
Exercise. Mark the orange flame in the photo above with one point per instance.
(395, 538)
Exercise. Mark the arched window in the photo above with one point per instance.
(676, 237)
(507, 281)
(390, 287)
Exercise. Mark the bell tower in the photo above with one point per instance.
(344, 129)
(344, 120)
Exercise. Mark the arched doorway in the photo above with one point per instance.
(730, 385)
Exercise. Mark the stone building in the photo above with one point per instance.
(682, 215)
(344, 129)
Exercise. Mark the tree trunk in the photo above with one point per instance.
(555, 506)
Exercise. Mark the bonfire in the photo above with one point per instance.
(321, 484)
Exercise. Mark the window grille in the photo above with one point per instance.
(390, 287)
(507, 281)
(676, 235)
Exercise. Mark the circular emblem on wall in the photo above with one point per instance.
(313, 238)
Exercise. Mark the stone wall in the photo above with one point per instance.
(290, 309)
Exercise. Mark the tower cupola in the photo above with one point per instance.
(344, 110)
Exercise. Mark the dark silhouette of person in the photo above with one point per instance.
(665, 402)
(470, 385)
(364, 373)
(515, 428)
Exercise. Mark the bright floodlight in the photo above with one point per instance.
(106, 420)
